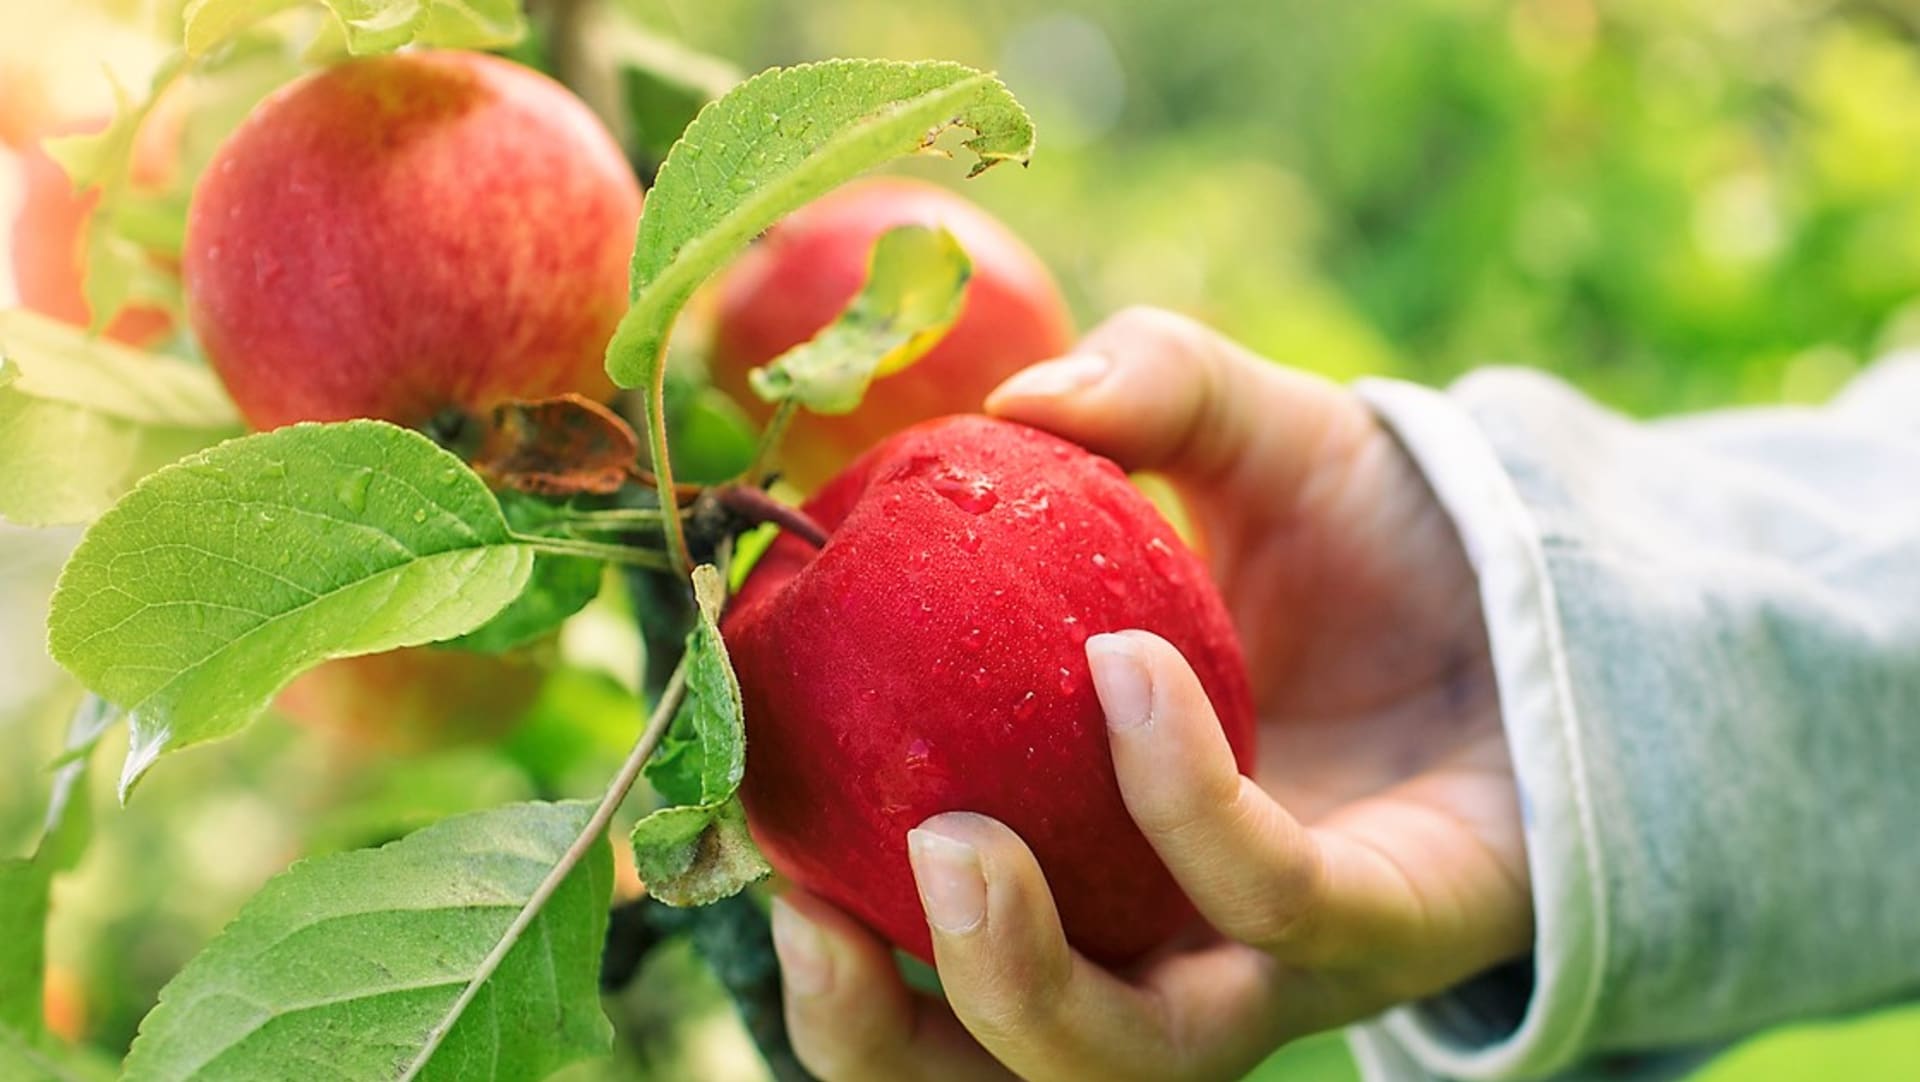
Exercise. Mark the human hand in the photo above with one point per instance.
(1376, 858)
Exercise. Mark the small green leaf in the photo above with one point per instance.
(698, 854)
(220, 578)
(916, 283)
(82, 419)
(355, 962)
(382, 26)
(119, 271)
(703, 755)
(700, 851)
(778, 140)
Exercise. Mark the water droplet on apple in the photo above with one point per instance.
(1110, 576)
(869, 695)
(1027, 707)
(974, 495)
(980, 677)
(352, 490)
(970, 542)
(1074, 631)
(919, 754)
(1069, 683)
(975, 639)
(1159, 557)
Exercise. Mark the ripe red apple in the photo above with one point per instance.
(930, 658)
(398, 235)
(48, 237)
(416, 699)
(805, 270)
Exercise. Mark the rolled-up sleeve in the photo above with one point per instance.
(1706, 635)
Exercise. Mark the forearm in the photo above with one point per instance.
(1707, 640)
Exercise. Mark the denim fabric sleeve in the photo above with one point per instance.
(1706, 635)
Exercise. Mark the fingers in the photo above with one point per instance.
(849, 1015)
(1008, 972)
(1253, 871)
(1156, 391)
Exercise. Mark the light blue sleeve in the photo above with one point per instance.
(1706, 634)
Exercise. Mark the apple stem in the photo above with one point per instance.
(754, 505)
(590, 835)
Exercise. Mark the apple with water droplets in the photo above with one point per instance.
(930, 657)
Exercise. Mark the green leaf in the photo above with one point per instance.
(703, 754)
(382, 26)
(698, 854)
(355, 963)
(558, 587)
(82, 419)
(119, 271)
(916, 283)
(775, 142)
(208, 24)
(220, 578)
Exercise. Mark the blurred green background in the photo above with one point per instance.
(1676, 204)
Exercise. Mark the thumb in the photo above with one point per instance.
(1157, 391)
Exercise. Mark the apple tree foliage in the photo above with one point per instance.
(219, 566)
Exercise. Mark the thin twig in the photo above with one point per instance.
(595, 829)
(766, 451)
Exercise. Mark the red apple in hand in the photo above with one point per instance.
(805, 270)
(930, 658)
(396, 236)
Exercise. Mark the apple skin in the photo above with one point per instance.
(49, 259)
(395, 236)
(416, 699)
(931, 658)
(798, 277)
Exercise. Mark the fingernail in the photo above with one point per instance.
(805, 965)
(953, 887)
(1051, 379)
(1120, 679)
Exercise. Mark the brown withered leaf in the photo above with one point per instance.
(563, 446)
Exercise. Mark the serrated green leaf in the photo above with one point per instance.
(82, 419)
(916, 284)
(355, 961)
(697, 855)
(218, 579)
(776, 141)
(703, 755)
(558, 587)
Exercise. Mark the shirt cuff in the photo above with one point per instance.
(1503, 543)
